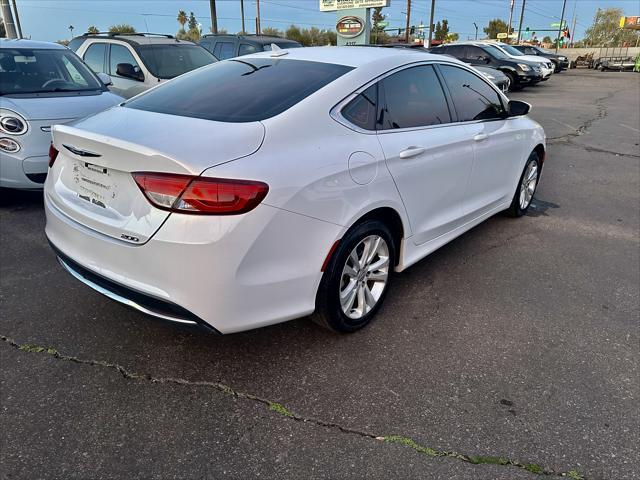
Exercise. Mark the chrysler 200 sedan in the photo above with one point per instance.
(276, 185)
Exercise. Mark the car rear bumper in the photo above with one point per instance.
(230, 273)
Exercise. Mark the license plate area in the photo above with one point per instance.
(95, 184)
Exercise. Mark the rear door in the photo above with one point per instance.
(429, 157)
(121, 54)
(497, 147)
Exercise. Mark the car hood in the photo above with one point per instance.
(60, 107)
(532, 59)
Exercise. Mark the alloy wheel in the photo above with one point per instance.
(528, 184)
(364, 276)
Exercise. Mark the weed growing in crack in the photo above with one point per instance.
(409, 442)
(281, 409)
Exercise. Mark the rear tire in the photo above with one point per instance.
(526, 189)
(357, 278)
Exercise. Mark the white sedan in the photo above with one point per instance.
(272, 186)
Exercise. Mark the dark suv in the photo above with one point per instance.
(229, 46)
(520, 72)
(560, 62)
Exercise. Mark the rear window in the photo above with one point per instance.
(240, 90)
(170, 60)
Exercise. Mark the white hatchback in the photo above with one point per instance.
(276, 185)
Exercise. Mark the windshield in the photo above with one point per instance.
(246, 90)
(44, 71)
(496, 52)
(512, 51)
(173, 59)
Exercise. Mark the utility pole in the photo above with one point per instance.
(433, 8)
(7, 16)
(406, 32)
(564, 4)
(214, 16)
(258, 29)
(521, 18)
(511, 4)
(476, 25)
(15, 11)
(573, 24)
(242, 15)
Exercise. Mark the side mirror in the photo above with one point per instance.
(128, 71)
(518, 108)
(105, 79)
(486, 59)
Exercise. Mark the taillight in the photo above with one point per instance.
(53, 154)
(200, 195)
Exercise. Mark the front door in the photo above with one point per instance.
(429, 157)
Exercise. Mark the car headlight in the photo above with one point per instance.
(9, 145)
(12, 123)
(524, 67)
(563, 59)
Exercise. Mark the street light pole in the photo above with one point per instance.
(521, 18)
(433, 8)
(512, 3)
(258, 29)
(406, 32)
(476, 25)
(214, 16)
(15, 11)
(564, 4)
(242, 15)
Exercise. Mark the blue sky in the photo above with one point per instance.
(50, 19)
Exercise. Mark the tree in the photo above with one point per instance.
(182, 19)
(442, 30)
(271, 32)
(495, 27)
(93, 29)
(378, 34)
(547, 39)
(311, 37)
(193, 23)
(122, 28)
(606, 31)
(452, 37)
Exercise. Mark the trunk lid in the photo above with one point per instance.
(91, 183)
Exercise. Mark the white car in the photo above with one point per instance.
(298, 183)
(41, 84)
(546, 65)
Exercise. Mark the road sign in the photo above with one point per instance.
(383, 24)
(502, 35)
(557, 24)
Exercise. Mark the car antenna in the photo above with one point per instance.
(276, 51)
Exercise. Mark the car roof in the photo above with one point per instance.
(136, 38)
(24, 43)
(355, 56)
(264, 39)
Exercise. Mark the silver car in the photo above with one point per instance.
(41, 84)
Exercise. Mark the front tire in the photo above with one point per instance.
(357, 278)
(526, 187)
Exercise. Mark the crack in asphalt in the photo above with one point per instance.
(286, 413)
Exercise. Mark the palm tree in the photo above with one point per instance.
(92, 29)
(182, 19)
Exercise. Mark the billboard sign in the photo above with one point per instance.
(333, 5)
(350, 27)
(630, 23)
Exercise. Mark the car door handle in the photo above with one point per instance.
(480, 137)
(411, 152)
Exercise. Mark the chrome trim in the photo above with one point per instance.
(80, 152)
(336, 111)
(119, 298)
(46, 128)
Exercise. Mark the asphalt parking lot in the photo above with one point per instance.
(511, 353)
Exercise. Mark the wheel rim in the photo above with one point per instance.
(528, 184)
(364, 276)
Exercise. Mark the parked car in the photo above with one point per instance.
(138, 61)
(560, 62)
(41, 84)
(225, 46)
(220, 207)
(546, 65)
(496, 77)
(519, 72)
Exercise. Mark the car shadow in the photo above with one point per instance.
(20, 199)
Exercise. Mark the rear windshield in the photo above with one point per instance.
(512, 51)
(25, 70)
(240, 90)
(170, 60)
